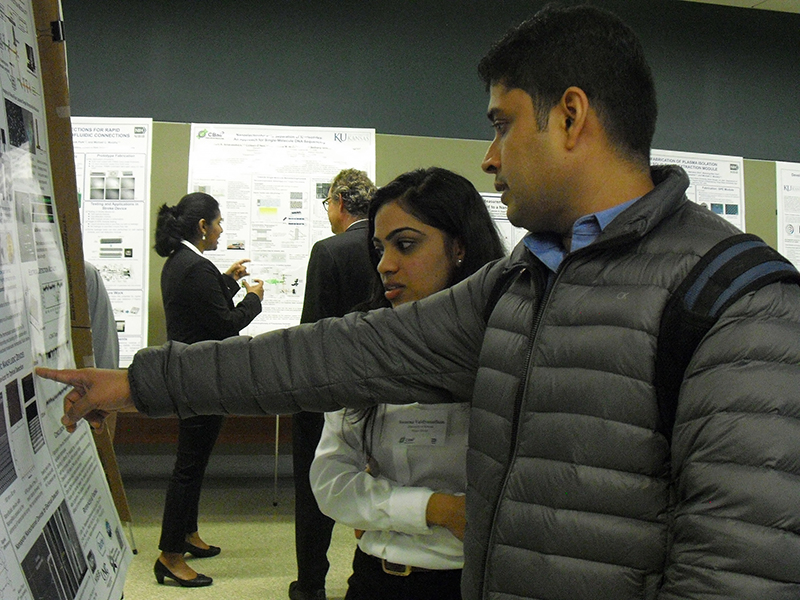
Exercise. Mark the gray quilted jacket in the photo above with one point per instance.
(572, 493)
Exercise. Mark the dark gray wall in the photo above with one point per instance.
(728, 79)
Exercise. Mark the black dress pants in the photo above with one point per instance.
(312, 529)
(196, 439)
(370, 582)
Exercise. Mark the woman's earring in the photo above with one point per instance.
(204, 237)
(459, 261)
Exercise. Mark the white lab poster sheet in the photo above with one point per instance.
(60, 536)
(270, 183)
(788, 187)
(715, 181)
(509, 234)
(112, 167)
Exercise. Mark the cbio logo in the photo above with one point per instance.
(205, 133)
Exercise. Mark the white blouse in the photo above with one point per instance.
(416, 450)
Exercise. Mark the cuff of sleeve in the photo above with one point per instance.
(135, 395)
(145, 388)
(253, 298)
(408, 506)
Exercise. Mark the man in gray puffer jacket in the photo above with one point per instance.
(574, 493)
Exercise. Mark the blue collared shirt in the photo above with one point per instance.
(548, 248)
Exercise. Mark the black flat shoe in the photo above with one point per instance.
(161, 571)
(201, 552)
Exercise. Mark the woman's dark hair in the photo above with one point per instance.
(449, 202)
(180, 222)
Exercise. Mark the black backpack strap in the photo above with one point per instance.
(734, 267)
(508, 277)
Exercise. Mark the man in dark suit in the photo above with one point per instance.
(339, 277)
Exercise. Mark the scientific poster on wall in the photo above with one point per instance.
(788, 184)
(60, 536)
(270, 183)
(716, 182)
(112, 167)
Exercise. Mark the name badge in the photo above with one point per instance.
(421, 428)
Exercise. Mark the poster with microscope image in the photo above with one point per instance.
(788, 188)
(112, 167)
(715, 181)
(270, 183)
(60, 536)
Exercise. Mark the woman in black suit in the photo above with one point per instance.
(198, 306)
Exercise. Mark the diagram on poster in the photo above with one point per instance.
(112, 168)
(270, 183)
(60, 536)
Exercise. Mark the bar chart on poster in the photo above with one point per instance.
(60, 536)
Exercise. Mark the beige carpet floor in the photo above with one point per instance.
(257, 540)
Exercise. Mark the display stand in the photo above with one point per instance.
(52, 53)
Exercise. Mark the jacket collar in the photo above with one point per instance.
(669, 194)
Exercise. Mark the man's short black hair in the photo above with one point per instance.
(586, 47)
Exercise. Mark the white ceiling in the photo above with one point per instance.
(790, 6)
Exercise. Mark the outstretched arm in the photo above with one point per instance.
(421, 352)
(95, 393)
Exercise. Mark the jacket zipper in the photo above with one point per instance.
(517, 410)
(537, 319)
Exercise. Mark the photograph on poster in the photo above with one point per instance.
(55, 566)
(20, 122)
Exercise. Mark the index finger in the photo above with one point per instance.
(68, 376)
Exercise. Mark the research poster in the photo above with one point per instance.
(788, 187)
(60, 536)
(270, 183)
(112, 167)
(715, 181)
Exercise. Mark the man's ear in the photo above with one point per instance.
(572, 111)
